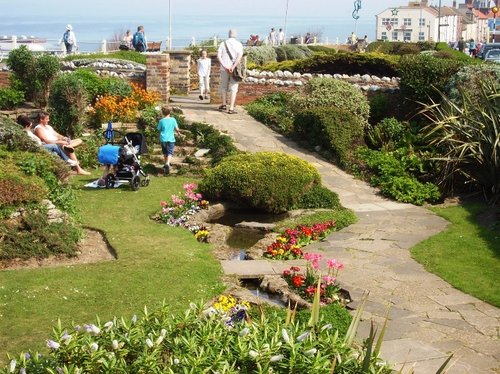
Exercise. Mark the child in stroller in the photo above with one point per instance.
(125, 160)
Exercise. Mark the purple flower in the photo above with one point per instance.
(52, 344)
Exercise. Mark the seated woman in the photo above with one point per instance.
(50, 136)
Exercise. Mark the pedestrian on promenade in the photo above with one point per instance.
(69, 39)
(168, 127)
(204, 68)
(281, 37)
(229, 54)
(139, 41)
(126, 42)
(271, 38)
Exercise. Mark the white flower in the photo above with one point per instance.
(303, 336)
(326, 327)
(12, 366)
(192, 306)
(159, 340)
(176, 361)
(149, 343)
(108, 325)
(134, 318)
(23, 371)
(253, 354)
(52, 344)
(276, 358)
(94, 347)
(266, 346)
(311, 352)
(114, 345)
(92, 329)
(285, 336)
(244, 332)
(163, 332)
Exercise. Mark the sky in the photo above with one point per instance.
(121, 8)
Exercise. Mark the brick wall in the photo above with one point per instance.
(4, 79)
(248, 92)
(180, 65)
(158, 74)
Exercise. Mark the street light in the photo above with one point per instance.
(286, 19)
(169, 25)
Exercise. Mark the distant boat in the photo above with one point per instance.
(33, 43)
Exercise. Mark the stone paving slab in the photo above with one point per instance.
(430, 317)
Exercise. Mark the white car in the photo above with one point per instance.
(492, 55)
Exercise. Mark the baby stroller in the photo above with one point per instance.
(125, 159)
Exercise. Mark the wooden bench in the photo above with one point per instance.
(153, 47)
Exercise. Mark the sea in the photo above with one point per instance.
(91, 31)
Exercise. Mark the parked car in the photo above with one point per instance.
(485, 48)
(493, 55)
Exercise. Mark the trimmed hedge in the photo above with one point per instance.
(422, 75)
(273, 110)
(323, 92)
(335, 129)
(319, 197)
(272, 182)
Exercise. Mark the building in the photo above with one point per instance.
(420, 22)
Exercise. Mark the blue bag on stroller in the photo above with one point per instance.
(108, 154)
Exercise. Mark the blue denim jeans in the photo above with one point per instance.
(57, 150)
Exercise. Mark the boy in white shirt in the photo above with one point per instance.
(204, 66)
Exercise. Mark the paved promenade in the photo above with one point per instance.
(429, 319)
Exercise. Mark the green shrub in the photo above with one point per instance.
(220, 145)
(68, 100)
(380, 107)
(319, 197)
(133, 56)
(260, 55)
(91, 82)
(272, 182)
(17, 189)
(289, 65)
(443, 49)
(87, 152)
(469, 79)
(324, 92)
(273, 110)
(409, 49)
(392, 176)
(115, 86)
(291, 52)
(422, 75)
(386, 135)
(10, 98)
(14, 138)
(337, 130)
(148, 122)
(321, 49)
(34, 73)
(349, 63)
(33, 236)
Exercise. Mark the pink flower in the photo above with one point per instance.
(315, 264)
(334, 264)
(329, 280)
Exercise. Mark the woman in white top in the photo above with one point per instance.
(204, 66)
(50, 136)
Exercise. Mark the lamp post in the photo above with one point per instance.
(439, 22)
(286, 20)
(169, 25)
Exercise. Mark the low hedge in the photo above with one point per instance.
(335, 129)
(268, 181)
(273, 110)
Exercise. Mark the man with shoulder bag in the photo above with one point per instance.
(229, 54)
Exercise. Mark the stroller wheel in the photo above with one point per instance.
(135, 183)
(109, 181)
(145, 182)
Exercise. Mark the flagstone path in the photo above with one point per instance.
(429, 319)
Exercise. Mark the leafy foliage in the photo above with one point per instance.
(10, 98)
(17, 189)
(260, 55)
(273, 110)
(133, 56)
(220, 145)
(469, 136)
(393, 175)
(33, 236)
(421, 75)
(324, 92)
(319, 197)
(68, 100)
(336, 129)
(258, 180)
(14, 138)
(386, 135)
(34, 73)
(291, 52)
(201, 341)
(400, 48)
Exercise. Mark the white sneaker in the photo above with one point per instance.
(72, 162)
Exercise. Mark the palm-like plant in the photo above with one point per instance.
(468, 136)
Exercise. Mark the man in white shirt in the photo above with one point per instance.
(281, 37)
(229, 55)
(272, 37)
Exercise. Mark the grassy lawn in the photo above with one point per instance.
(467, 255)
(155, 263)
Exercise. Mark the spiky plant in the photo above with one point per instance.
(468, 136)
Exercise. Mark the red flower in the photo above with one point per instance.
(297, 280)
(310, 290)
(286, 273)
(295, 268)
